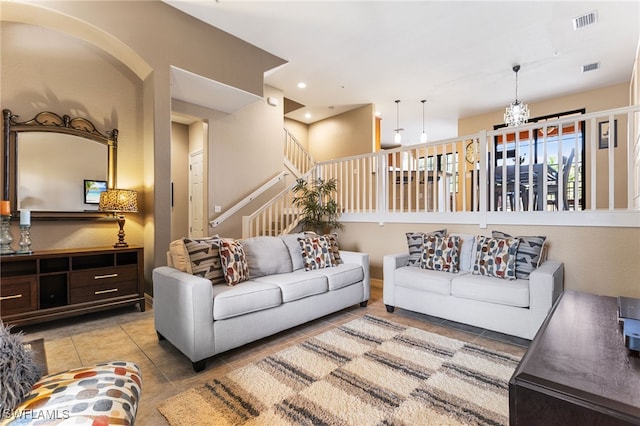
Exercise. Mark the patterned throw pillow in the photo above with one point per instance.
(315, 253)
(496, 257)
(415, 241)
(334, 249)
(234, 261)
(204, 257)
(529, 255)
(440, 253)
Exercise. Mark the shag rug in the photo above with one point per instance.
(369, 371)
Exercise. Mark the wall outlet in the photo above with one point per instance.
(217, 209)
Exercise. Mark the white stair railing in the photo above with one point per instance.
(296, 157)
(249, 198)
(276, 217)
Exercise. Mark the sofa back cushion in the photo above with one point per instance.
(295, 251)
(466, 251)
(268, 256)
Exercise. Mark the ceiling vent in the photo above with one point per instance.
(585, 20)
(591, 67)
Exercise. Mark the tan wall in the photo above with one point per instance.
(346, 134)
(597, 260)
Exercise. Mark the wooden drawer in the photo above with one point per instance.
(102, 283)
(18, 294)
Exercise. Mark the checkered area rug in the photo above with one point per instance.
(369, 371)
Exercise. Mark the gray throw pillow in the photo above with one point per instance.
(18, 371)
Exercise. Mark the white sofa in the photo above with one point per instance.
(515, 307)
(202, 320)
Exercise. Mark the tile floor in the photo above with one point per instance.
(130, 335)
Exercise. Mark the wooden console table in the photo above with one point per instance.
(54, 284)
(577, 369)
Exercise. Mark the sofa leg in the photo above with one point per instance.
(390, 308)
(364, 304)
(160, 336)
(198, 366)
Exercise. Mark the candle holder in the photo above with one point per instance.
(25, 240)
(5, 235)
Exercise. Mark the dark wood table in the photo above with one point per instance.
(577, 370)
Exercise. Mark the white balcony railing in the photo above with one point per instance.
(582, 170)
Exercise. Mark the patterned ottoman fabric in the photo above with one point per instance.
(102, 394)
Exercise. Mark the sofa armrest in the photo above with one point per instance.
(183, 311)
(545, 285)
(361, 259)
(390, 263)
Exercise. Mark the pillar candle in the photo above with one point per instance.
(25, 217)
(5, 208)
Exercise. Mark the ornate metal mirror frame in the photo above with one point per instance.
(50, 122)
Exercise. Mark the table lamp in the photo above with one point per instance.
(119, 201)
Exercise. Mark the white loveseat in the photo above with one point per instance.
(202, 319)
(515, 307)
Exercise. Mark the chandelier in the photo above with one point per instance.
(517, 113)
(398, 137)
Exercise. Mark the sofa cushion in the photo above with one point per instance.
(414, 243)
(204, 258)
(234, 262)
(266, 256)
(315, 253)
(529, 253)
(342, 275)
(243, 298)
(496, 257)
(424, 279)
(440, 253)
(489, 289)
(295, 251)
(298, 284)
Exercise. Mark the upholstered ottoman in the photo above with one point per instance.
(100, 394)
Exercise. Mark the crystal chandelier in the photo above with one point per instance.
(423, 135)
(517, 113)
(397, 138)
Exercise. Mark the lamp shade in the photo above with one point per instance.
(118, 200)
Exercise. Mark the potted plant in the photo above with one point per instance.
(317, 204)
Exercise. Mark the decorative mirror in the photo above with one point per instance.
(56, 166)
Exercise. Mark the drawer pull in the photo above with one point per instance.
(15, 296)
(111, 290)
(100, 277)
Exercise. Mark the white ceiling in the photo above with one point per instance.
(456, 55)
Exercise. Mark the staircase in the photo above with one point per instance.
(278, 216)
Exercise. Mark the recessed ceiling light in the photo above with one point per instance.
(302, 85)
(307, 115)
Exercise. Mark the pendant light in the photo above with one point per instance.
(517, 113)
(397, 138)
(423, 135)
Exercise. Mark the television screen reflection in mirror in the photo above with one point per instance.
(93, 189)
